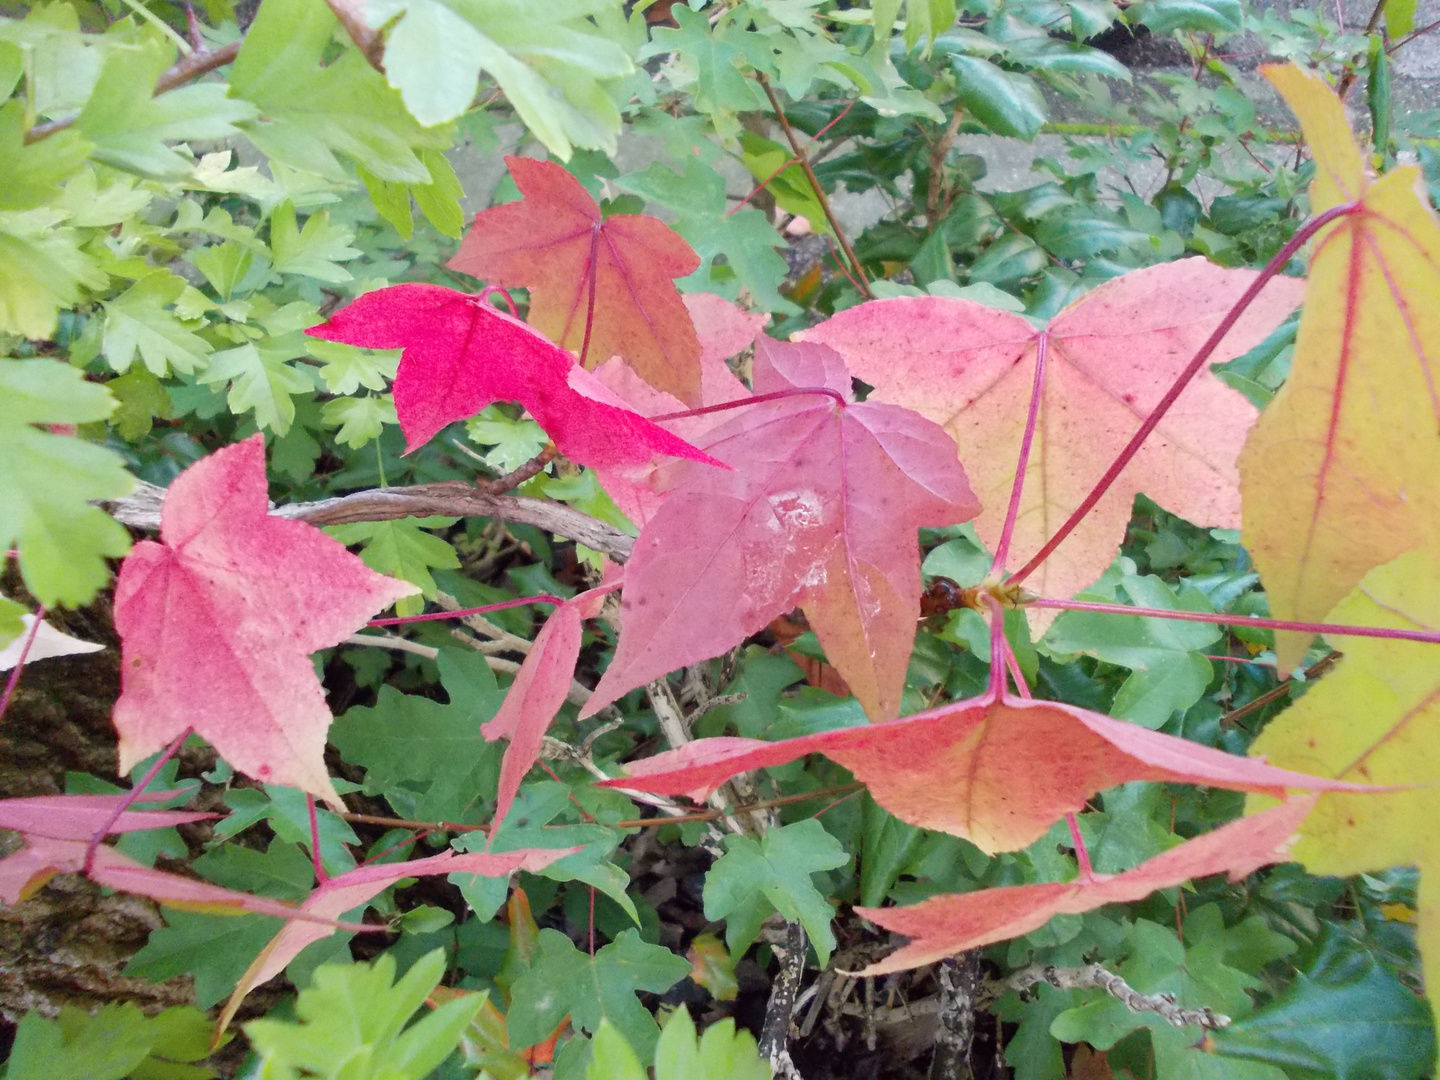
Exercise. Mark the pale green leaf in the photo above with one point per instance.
(42, 269)
(261, 381)
(359, 419)
(137, 321)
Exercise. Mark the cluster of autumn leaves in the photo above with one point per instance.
(790, 493)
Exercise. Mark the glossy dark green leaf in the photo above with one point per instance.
(1209, 16)
(1346, 1018)
(1009, 259)
(1006, 103)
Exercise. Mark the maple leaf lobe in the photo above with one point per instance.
(601, 286)
(217, 622)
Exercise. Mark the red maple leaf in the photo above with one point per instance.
(462, 354)
(217, 623)
(1109, 357)
(57, 830)
(945, 925)
(821, 512)
(540, 688)
(600, 286)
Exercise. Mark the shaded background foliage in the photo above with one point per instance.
(174, 247)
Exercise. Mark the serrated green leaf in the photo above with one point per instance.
(312, 111)
(42, 269)
(137, 321)
(48, 482)
(215, 949)
(553, 71)
(1346, 1017)
(261, 380)
(720, 88)
(511, 442)
(31, 176)
(359, 419)
(611, 1057)
(752, 877)
(1082, 236)
(425, 757)
(141, 398)
(315, 251)
(591, 989)
(130, 124)
(116, 1042)
(1005, 102)
(402, 549)
(282, 871)
(344, 368)
(351, 1024)
(1009, 259)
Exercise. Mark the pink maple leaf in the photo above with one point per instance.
(1110, 356)
(821, 511)
(217, 623)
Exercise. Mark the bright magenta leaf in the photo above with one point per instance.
(461, 354)
(821, 512)
(600, 286)
(1110, 356)
(945, 925)
(540, 688)
(356, 888)
(217, 623)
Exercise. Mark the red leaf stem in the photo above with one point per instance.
(1007, 532)
(134, 793)
(1223, 619)
(321, 876)
(756, 399)
(490, 290)
(1273, 267)
(14, 680)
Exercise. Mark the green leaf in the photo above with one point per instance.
(345, 368)
(137, 321)
(1207, 16)
(1346, 1017)
(1068, 57)
(1168, 674)
(1006, 103)
(130, 124)
(31, 176)
(282, 871)
(1399, 18)
(751, 877)
(310, 111)
(351, 1024)
(141, 398)
(116, 1042)
(511, 442)
(791, 189)
(426, 758)
(315, 251)
(722, 1053)
(215, 949)
(555, 71)
(563, 980)
(49, 481)
(11, 625)
(1009, 259)
(1081, 236)
(611, 1057)
(42, 269)
(927, 18)
(402, 549)
(260, 380)
(359, 419)
(720, 88)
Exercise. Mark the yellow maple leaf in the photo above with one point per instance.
(1342, 471)
(1375, 719)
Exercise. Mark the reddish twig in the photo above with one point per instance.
(803, 160)
(1428, 637)
(14, 680)
(1273, 267)
(756, 399)
(321, 877)
(792, 161)
(491, 290)
(130, 796)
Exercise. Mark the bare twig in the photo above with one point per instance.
(959, 979)
(775, 1035)
(939, 189)
(393, 641)
(141, 510)
(182, 71)
(1095, 977)
(803, 159)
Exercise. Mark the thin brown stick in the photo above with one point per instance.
(517, 476)
(451, 498)
(939, 188)
(1095, 977)
(178, 74)
(803, 159)
(1314, 671)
